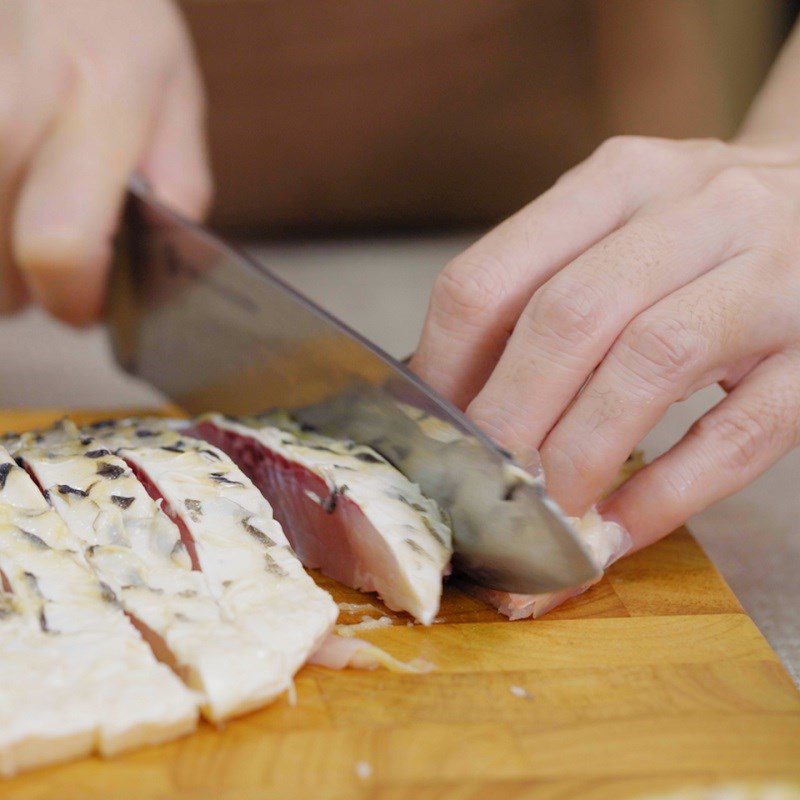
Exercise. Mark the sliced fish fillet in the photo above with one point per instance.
(605, 541)
(75, 675)
(138, 552)
(345, 509)
(245, 559)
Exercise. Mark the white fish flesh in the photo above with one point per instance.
(240, 548)
(138, 552)
(343, 652)
(345, 509)
(75, 675)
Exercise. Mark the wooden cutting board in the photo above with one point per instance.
(652, 681)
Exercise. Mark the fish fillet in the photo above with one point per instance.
(138, 551)
(605, 541)
(345, 509)
(347, 652)
(75, 675)
(245, 559)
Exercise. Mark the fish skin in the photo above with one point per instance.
(258, 581)
(606, 541)
(390, 538)
(137, 551)
(75, 675)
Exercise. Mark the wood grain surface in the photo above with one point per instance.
(652, 681)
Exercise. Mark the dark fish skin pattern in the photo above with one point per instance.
(97, 453)
(111, 471)
(122, 502)
(64, 489)
(220, 478)
(4, 470)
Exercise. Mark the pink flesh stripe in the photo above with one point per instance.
(34, 477)
(521, 606)
(340, 541)
(155, 494)
(5, 583)
(156, 643)
(159, 647)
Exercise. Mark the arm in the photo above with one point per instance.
(775, 113)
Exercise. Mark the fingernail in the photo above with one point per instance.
(531, 460)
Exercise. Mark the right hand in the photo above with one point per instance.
(90, 91)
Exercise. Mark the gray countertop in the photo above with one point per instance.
(381, 287)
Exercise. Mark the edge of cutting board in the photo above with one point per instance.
(653, 680)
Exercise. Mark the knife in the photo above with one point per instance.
(216, 330)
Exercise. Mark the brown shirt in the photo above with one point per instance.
(354, 115)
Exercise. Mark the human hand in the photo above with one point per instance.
(649, 271)
(90, 91)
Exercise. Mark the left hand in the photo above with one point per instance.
(649, 271)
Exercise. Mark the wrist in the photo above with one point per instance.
(765, 132)
(768, 146)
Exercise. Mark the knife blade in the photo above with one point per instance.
(216, 330)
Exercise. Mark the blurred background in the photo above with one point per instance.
(357, 146)
(366, 116)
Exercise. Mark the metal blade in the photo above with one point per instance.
(215, 330)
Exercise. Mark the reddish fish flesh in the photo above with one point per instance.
(345, 509)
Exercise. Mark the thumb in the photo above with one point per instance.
(175, 162)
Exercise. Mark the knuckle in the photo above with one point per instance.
(502, 422)
(660, 351)
(565, 179)
(736, 185)
(570, 458)
(567, 310)
(468, 288)
(712, 149)
(774, 242)
(764, 214)
(632, 150)
(739, 435)
(775, 254)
